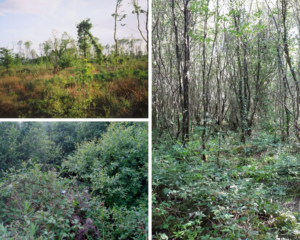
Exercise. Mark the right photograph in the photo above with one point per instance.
(225, 119)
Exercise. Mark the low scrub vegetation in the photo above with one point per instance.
(84, 90)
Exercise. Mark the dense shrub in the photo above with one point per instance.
(32, 204)
(115, 166)
(37, 202)
(65, 62)
(26, 141)
(120, 222)
(41, 205)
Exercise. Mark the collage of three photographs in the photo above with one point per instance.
(139, 120)
(74, 119)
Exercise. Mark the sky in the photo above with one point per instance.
(34, 20)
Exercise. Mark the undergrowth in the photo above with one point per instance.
(241, 192)
(42, 205)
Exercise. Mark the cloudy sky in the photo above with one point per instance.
(34, 20)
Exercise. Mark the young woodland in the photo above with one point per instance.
(73, 180)
(226, 119)
(77, 78)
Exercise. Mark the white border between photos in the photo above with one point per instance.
(150, 120)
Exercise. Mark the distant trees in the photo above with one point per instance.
(55, 50)
(33, 53)
(83, 37)
(138, 10)
(6, 58)
(118, 16)
(59, 47)
(20, 47)
(45, 142)
(28, 45)
(29, 142)
(47, 45)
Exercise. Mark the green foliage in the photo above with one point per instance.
(33, 207)
(120, 222)
(116, 165)
(83, 72)
(83, 37)
(32, 203)
(6, 58)
(37, 202)
(24, 141)
(60, 47)
(46, 143)
(65, 62)
(68, 134)
(224, 199)
(140, 74)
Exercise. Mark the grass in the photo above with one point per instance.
(32, 91)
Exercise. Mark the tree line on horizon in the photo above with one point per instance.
(60, 51)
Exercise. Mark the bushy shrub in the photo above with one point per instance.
(140, 74)
(120, 222)
(12, 72)
(65, 62)
(115, 166)
(25, 141)
(35, 203)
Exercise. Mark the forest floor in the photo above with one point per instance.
(33, 91)
(243, 191)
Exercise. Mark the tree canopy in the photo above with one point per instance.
(6, 58)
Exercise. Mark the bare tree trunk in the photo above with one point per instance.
(178, 60)
(295, 100)
(241, 97)
(186, 47)
(204, 90)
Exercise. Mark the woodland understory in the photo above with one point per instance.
(226, 132)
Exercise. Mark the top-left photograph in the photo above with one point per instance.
(74, 59)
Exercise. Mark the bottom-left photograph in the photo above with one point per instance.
(73, 180)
